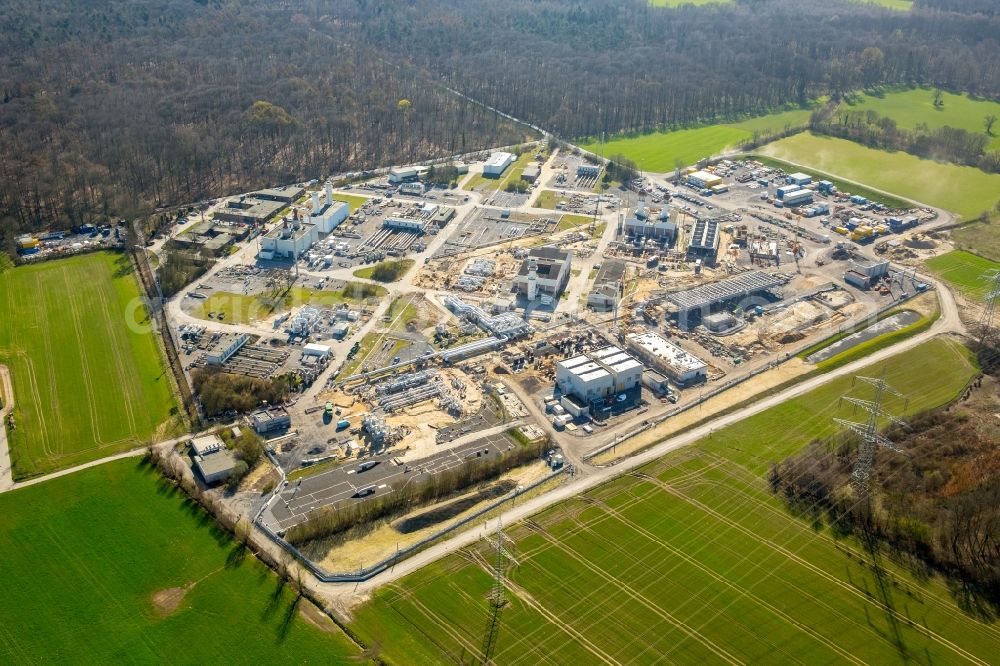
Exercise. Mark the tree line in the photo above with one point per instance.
(950, 144)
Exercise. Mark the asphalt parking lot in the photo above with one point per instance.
(339, 485)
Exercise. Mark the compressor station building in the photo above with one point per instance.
(589, 381)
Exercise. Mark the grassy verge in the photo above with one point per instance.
(247, 308)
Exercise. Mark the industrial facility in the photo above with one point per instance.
(700, 301)
(497, 164)
(597, 380)
(643, 225)
(679, 365)
(608, 286)
(544, 273)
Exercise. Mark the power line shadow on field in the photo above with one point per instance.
(883, 590)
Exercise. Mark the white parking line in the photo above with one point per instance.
(383, 485)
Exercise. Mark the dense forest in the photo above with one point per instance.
(116, 107)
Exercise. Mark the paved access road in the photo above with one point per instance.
(341, 484)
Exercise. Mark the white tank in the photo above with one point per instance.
(532, 286)
(329, 193)
(316, 203)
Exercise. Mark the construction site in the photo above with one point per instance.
(511, 325)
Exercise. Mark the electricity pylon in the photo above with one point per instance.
(868, 430)
(986, 320)
(498, 595)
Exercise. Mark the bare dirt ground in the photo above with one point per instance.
(167, 601)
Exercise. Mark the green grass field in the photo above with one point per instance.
(244, 309)
(963, 271)
(660, 151)
(573, 221)
(691, 559)
(963, 190)
(84, 555)
(353, 201)
(914, 106)
(86, 384)
(484, 184)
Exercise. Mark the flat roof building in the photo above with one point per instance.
(249, 210)
(531, 173)
(269, 420)
(545, 271)
(213, 461)
(678, 364)
(588, 170)
(598, 375)
(404, 224)
(497, 164)
(608, 285)
(222, 348)
(287, 194)
(399, 175)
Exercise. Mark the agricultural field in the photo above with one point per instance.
(692, 559)
(901, 5)
(842, 185)
(659, 152)
(247, 308)
(89, 376)
(112, 565)
(915, 106)
(963, 190)
(963, 271)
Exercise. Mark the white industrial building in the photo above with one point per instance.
(222, 348)
(659, 227)
(798, 178)
(328, 215)
(596, 376)
(314, 349)
(497, 164)
(588, 170)
(288, 240)
(545, 271)
(678, 364)
(399, 175)
(270, 420)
